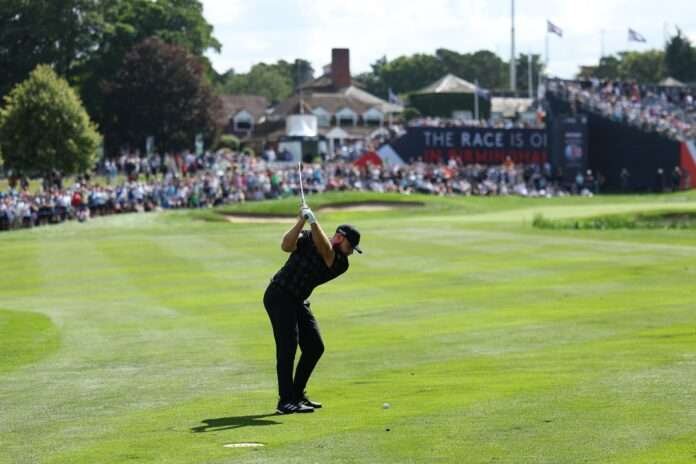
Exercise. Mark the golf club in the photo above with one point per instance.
(299, 172)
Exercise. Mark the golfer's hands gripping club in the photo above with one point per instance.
(308, 214)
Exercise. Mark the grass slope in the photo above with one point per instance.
(492, 340)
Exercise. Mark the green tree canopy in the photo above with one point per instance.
(273, 81)
(410, 73)
(407, 74)
(646, 67)
(60, 33)
(680, 58)
(269, 80)
(86, 41)
(43, 126)
(522, 73)
(126, 23)
(160, 91)
(483, 65)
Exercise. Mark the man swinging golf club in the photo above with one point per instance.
(314, 259)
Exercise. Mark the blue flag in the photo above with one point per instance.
(634, 36)
(394, 98)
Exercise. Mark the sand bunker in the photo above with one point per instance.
(256, 219)
(330, 208)
(243, 445)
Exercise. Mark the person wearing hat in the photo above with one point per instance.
(314, 260)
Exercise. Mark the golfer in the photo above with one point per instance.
(314, 259)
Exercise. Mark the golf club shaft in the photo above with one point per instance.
(299, 171)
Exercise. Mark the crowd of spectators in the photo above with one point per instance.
(491, 123)
(135, 184)
(668, 110)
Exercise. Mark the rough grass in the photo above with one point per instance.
(492, 340)
(668, 219)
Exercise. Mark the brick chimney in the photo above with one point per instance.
(340, 68)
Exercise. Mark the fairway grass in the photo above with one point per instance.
(143, 338)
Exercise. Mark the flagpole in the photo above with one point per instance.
(513, 77)
(476, 101)
(529, 72)
(547, 50)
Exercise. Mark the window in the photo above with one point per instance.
(323, 117)
(346, 117)
(243, 121)
(373, 117)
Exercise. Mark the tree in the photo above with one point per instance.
(299, 71)
(273, 81)
(410, 73)
(608, 67)
(85, 41)
(262, 79)
(482, 66)
(680, 58)
(522, 73)
(491, 71)
(125, 23)
(62, 34)
(44, 127)
(160, 91)
(373, 81)
(645, 67)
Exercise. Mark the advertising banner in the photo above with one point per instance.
(473, 145)
(570, 145)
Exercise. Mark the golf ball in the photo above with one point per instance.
(386, 406)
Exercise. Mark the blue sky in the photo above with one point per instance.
(269, 30)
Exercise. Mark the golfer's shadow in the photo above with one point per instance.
(233, 422)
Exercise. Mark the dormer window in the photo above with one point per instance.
(373, 117)
(346, 117)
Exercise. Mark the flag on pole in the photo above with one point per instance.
(552, 28)
(394, 98)
(481, 92)
(635, 36)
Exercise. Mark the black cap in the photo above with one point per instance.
(351, 234)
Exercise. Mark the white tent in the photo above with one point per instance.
(671, 82)
(449, 84)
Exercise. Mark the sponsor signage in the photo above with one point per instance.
(473, 145)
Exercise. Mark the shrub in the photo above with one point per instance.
(228, 141)
(43, 126)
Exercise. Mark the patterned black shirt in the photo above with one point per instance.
(305, 269)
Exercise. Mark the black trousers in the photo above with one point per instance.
(293, 323)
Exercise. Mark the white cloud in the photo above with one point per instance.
(224, 12)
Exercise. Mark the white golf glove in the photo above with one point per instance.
(308, 215)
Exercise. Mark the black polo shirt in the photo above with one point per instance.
(305, 269)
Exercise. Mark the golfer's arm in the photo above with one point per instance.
(289, 242)
(323, 244)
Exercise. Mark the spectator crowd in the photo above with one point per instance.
(135, 184)
(491, 123)
(668, 110)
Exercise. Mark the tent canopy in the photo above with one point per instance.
(671, 82)
(449, 84)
